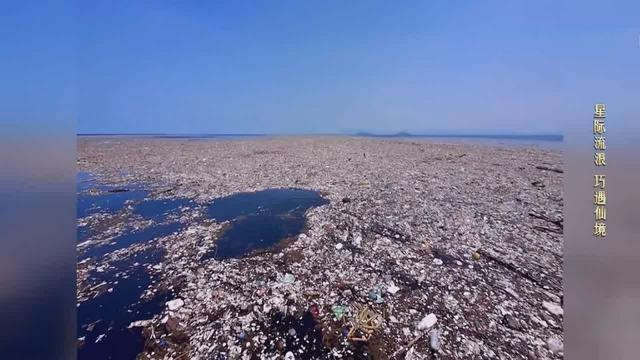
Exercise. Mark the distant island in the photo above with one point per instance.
(540, 137)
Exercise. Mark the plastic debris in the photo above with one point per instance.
(555, 345)
(434, 341)
(175, 304)
(314, 311)
(392, 288)
(364, 324)
(427, 322)
(288, 279)
(345, 330)
(357, 241)
(413, 204)
(376, 295)
(555, 309)
(339, 311)
(140, 323)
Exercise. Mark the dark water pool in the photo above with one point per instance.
(130, 238)
(159, 209)
(94, 197)
(103, 321)
(260, 219)
(300, 335)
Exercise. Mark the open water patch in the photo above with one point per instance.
(158, 209)
(103, 321)
(94, 197)
(300, 335)
(260, 219)
(133, 237)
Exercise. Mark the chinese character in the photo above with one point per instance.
(600, 229)
(600, 198)
(599, 159)
(598, 126)
(601, 213)
(599, 181)
(599, 111)
(598, 143)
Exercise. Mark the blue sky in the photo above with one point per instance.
(37, 67)
(338, 66)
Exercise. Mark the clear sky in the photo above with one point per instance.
(341, 66)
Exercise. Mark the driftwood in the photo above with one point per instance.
(364, 324)
(403, 350)
(558, 222)
(542, 167)
(512, 268)
(382, 229)
(546, 229)
(118, 190)
(538, 183)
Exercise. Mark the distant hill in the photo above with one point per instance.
(537, 137)
(368, 134)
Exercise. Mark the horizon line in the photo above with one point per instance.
(540, 136)
(332, 133)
